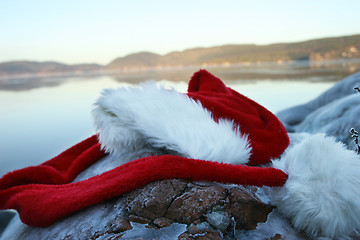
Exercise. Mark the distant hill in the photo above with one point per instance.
(318, 49)
(38, 68)
(142, 59)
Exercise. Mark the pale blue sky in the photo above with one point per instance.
(77, 31)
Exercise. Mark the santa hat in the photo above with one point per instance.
(210, 122)
(219, 134)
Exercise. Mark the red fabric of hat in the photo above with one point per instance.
(268, 137)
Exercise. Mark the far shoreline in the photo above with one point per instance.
(308, 70)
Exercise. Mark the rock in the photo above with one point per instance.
(119, 225)
(137, 219)
(206, 210)
(162, 222)
(246, 209)
(155, 202)
(334, 119)
(208, 234)
(334, 112)
(219, 220)
(274, 227)
(276, 237)
(293, 116)
(201, 230)
(197, 227)
(5, 218)
(194, 203)
(141, 231)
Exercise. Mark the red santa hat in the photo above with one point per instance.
(210, 122)
(219, 134)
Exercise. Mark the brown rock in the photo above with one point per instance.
(119, 225)
(161, 202)
(162, 222)
(193, 204)
(208, 234)
(246, 208)
(153, 200)
(198, 227)
(276, 237)
(137, 219)
(179, 185)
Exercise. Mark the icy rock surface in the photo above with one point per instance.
(168, 209)
(171, 209)
(334, 112)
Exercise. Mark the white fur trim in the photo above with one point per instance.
(322, 193)
(133, 117)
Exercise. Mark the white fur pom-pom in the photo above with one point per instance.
(322, 194)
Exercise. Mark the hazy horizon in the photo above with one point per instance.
(82, 31)
(175, 50)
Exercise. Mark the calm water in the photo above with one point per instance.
(42, 117)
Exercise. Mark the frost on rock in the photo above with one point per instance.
(219, 219)
(96, 220)
(334, 119)
(296, 115)
(276, 227)
(334, 112)
(168, 209)
(140, 231)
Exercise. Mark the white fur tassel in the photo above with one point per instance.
(133, 117)
(322, 193)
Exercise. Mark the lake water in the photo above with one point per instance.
(39, 118)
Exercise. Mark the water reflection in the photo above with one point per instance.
(330, 70)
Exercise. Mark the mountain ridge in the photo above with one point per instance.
(313, 50)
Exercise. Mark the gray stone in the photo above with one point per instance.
(219, 220)
(334, 119)
(293, 116)
(5, 218)
(334, 112)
